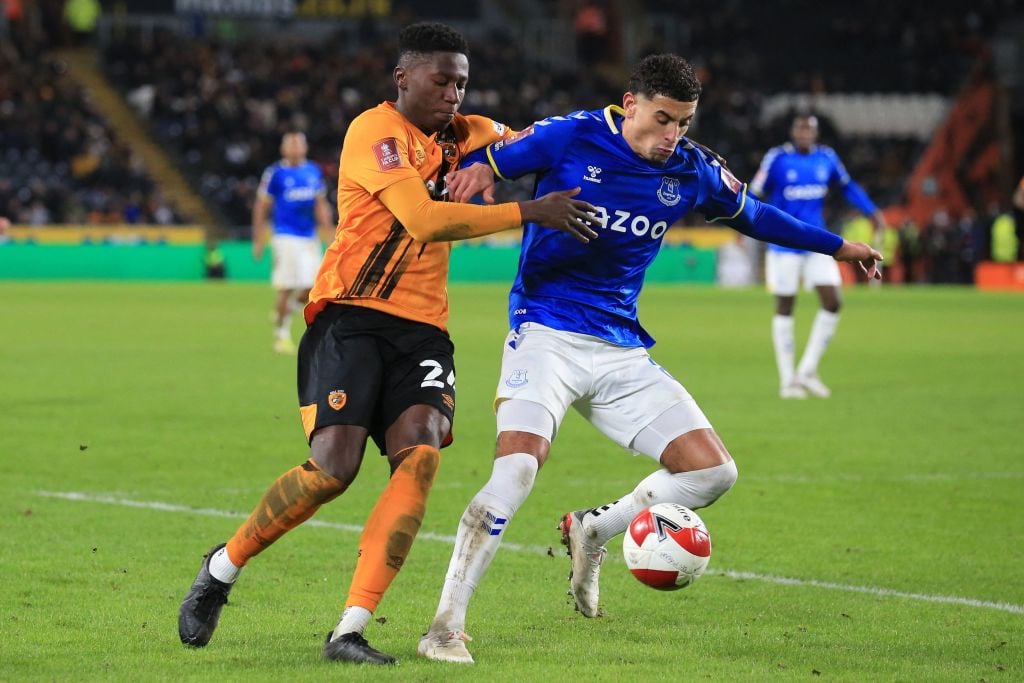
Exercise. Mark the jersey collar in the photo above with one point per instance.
(609, 117)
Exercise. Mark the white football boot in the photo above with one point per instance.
(793, 390)
(814, 386)
(445, 646)
(586, 563)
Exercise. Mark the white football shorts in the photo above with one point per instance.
(783, 271)
(620, 390)
(295, 261)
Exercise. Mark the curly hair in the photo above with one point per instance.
(666, 74)
(429, 36)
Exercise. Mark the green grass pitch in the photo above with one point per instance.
(140, 422)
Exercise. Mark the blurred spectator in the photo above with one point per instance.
(591, 26)
(81, 16)
(1004, 238)
(59, 160)
(909, 250)
(941, 246)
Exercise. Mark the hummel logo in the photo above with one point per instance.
(594, 172)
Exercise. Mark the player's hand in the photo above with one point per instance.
(466, 183)
(560, 211)
(257, 250)
(864, 255)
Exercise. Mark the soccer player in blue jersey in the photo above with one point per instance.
(575, 339)
(796, 177)
(294, 188)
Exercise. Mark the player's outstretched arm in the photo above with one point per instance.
(864, 255)
(466, 183)
(432, 221)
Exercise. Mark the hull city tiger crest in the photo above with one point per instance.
(668, 193)
(337, 399)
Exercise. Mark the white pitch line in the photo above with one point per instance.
(545, 550)
(211, 512)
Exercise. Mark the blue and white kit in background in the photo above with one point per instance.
(575, 338)
(798, 184)
(295, 248)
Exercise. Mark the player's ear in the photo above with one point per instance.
(629, 104)
(401, 78)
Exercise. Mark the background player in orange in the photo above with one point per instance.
(376, 360)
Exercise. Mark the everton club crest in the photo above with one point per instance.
(668, 193)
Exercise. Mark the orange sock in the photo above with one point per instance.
(392, 526)
(289, 502)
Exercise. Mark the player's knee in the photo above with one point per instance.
(723, 478)
(421, 461)
(784, 305)
(832, 306)
(417, 425)
(710, 484)
(341, 468)
(337, 455)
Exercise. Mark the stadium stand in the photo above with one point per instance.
(60, 162)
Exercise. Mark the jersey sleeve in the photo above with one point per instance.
(762, 179)
(768, 224)
(853, 192)
(268, 185)
(531, 150)
(838, 173)
(721, 195)
(375, 154)
(320, 185)
(484, 131)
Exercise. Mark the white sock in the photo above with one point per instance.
(284, 328)
(353, 620)
(824, 327)
(695, 489)
(222, 568)
(480, 531)
(782, 337)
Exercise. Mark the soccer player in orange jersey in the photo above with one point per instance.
(376, 360)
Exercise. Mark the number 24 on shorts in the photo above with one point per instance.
(435, 371)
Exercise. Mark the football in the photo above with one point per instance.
(667, 547)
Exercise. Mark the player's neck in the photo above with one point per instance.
(403, 110)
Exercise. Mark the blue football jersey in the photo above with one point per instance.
(798, 183)
(593, 288)
(294, 190)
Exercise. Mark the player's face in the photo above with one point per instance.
(804, 132)
(430, 89)
(654, 125)
(294, 147)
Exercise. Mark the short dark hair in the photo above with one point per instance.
(666, 74)
(430, 36)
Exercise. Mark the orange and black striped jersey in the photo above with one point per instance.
(374, 261)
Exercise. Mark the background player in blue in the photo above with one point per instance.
(575, 338)
(796, 177)
(294, 188)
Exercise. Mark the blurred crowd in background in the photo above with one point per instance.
(219, 101)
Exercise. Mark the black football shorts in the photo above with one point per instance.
(359, 366)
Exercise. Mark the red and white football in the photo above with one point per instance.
(667, 547)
